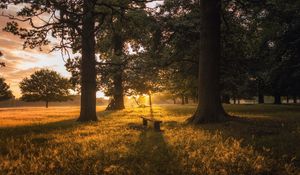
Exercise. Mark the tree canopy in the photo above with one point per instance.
(212, 51)
(45, 85)
(5, 92)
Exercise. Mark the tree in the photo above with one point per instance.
(45, 85)
(196, 38)
(122, 31)
(5, 93)
(75, 23)
(128, 30)
(209, 108)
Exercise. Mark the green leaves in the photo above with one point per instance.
(45, 85)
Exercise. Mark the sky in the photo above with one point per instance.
(21, 63)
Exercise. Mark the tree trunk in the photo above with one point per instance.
(287, 99)
(210, 108)
(186, 99)
(261, 99)
(117, 102)
(295, 99)
(226, 99)
(260, 92)
(234, 100)
(47, 104)
(194, 100)
(174, 100)
(88, 65)
(182, 100)
(277, 99)
(150, 103)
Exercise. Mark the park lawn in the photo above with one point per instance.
(264, 139)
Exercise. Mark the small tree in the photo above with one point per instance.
(45, 85)
(5, 93)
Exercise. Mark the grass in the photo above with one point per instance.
(264, 140)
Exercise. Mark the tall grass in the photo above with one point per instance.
(118, 144)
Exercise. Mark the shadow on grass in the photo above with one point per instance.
(151, 154)
(105, 113)
(280, 136)
(276, 127)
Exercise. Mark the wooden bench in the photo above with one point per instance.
(156, 123)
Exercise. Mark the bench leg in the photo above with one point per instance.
(145, 122)
(157, 126)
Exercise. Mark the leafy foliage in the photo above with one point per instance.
(5, 92)
(45, 85)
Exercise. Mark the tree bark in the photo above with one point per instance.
(117, 102)
(277, 99)
(47, 104)
(194, 100)
(260, 91)
(209, 108)
(226, 99)
(182, 100)
(88, 65)
(150, 103)
(261, 99)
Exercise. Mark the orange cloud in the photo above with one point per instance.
(21, 63)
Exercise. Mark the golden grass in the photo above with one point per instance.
(49, 141)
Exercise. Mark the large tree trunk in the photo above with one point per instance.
(182, 100)
(88, 65)
(209, 108)
(117, 103)
(47, 104)
(277, 99)
(226, 99)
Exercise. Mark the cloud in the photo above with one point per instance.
(21, 63)
(15, 76)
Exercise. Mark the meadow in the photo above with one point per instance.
(263, 139)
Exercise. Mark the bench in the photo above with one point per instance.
(156, 123)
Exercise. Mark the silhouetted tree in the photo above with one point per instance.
(45, 85)
(5, 92)
(75, 24)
